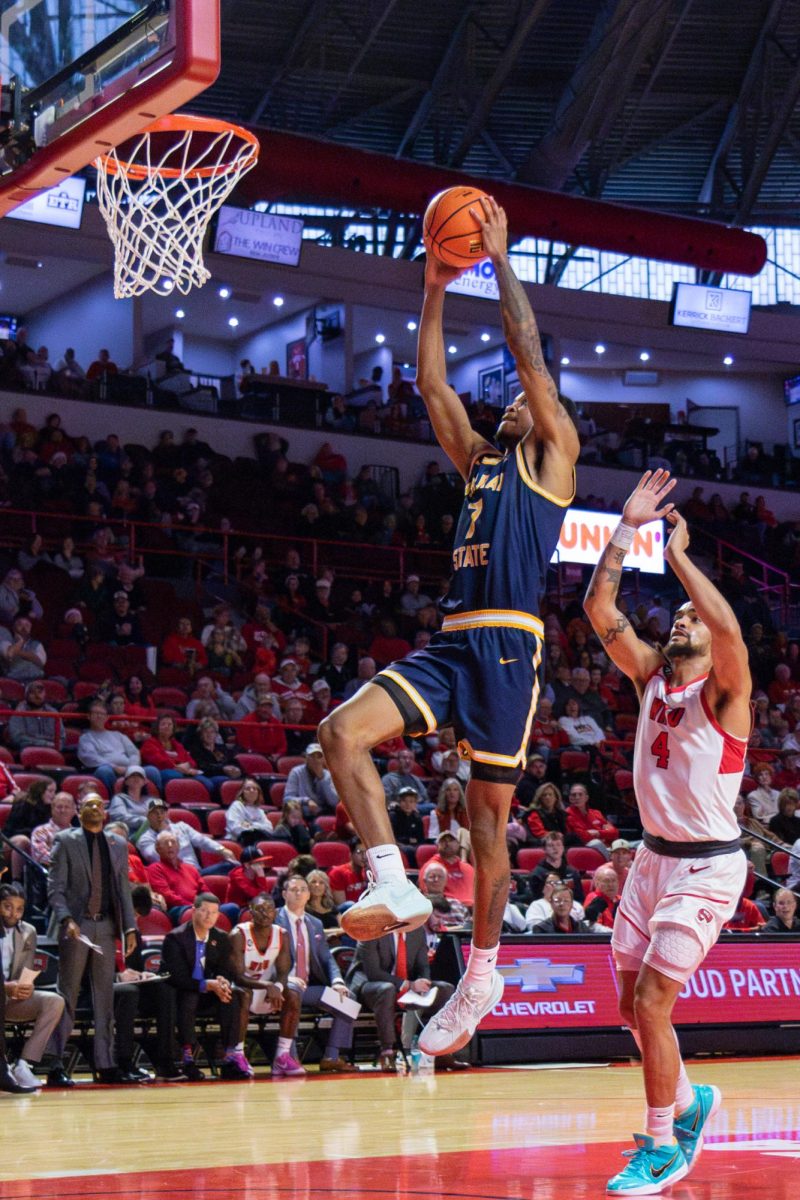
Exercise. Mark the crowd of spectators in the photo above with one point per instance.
(190, 707)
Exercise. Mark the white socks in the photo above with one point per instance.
(284, 1046)
(386, 864)
(480, 967)
(658, 1123)
(684, 1092)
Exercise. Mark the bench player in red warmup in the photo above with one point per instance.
(686, 879)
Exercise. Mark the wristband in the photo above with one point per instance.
(274, 983)
(623, 535)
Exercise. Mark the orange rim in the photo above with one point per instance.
(178, 123)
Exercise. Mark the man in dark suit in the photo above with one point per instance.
(313, 969)
(197, 959)
(90, 898)
(393, 966)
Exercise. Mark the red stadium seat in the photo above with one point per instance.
(5, 809)
(330, 854)
(276, 793)
(6, 756)
(747, 785)
(216, 823)
(750, 880)
(280, 854)
(187, 793)
(73, 782)
(218, 884)
(779, 865)
(574, 762)
(208, 858)
(83, 689)
(426, 824)
(41, 756)
(625, 722)
(424, 853)
(584, 858)
(529, 857)
(54, 690)
(169, 697)
(149, 788)
(256, 764)
(156, 922)
(11, 691)
(325, 824)
(24, 779)
(188, 818)
(228, 791)
(287, 761)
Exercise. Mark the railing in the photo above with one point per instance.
(774, 584)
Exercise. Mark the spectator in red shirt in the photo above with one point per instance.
(322, 703)
(260, 733)
(164, 751)
(460, 875)
(748, 916)
(387, 646)
(349, 880)
(178, 881)
(288, 682)
(600, 906)
(588, 824)
(249, 879)
(547, 734)
(183, 649)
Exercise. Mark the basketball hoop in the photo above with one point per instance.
(158, 193)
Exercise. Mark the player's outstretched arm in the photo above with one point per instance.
(729, 685)
(647, 502)
(448, 416)
(553, 424)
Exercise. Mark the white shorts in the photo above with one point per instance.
(696, 895)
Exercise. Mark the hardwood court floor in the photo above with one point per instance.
(534, 1134)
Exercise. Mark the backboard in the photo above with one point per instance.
(79, 77)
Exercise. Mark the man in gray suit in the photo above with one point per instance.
(313, 969)
(393, 966)
(90, 896)
(23, 1003)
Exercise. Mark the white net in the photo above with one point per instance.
(159, 195)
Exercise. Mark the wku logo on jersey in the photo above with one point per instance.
(663, 715)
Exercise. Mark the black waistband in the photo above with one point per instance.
(689, 849)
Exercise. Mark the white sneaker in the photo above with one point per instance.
(454, 1024)
(25, 1076)
(386, 907)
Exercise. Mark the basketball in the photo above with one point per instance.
(450, 231)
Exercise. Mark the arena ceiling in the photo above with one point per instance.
(688, 106)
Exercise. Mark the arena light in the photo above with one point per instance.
(233, 322)
(599, 348)
(411, 326)
(644, 356)
(380, 338)
(486, 337)
(180, 313)
(452, 349)
(278, 301)
(565, 360)
(223, 293)
(728, 360)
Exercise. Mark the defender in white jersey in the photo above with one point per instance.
(686, 880)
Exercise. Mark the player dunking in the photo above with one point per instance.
(480, 672)
(691, 739)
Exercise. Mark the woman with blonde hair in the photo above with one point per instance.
(322, 905)
(450, 813)
(246, 822)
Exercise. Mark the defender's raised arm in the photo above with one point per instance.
(647, 502)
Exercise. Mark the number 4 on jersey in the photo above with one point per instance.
(660, 749)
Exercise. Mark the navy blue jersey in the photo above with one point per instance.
(505, 538)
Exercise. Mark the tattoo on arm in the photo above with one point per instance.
(612, 632)
(613, 575)
(521, 330)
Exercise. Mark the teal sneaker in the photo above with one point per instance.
(688, 1127)
(652, 1169)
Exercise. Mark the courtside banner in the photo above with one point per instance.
(574, 986)
(585, 534)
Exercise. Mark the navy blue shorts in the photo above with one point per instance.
(484, 682)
